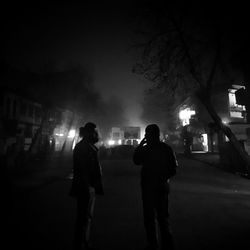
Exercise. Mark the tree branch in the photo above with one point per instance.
(213, 69)
(187, 53)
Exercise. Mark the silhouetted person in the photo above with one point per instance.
(158, 166)
(87, 181)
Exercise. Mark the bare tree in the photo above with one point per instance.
(186, 47)
(70, 89)
(160, 106)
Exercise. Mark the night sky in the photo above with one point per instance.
(96, 35)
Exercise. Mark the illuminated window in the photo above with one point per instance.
(232, 99)
(236, 114)
(205, 142)
(185, 115)
(235, 110)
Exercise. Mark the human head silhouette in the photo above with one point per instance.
(89, 132)
(152, 133)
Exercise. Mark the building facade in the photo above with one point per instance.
(27, 127)
(199, 132)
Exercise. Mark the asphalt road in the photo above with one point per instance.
(209, 209)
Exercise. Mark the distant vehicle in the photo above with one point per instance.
(124, 136)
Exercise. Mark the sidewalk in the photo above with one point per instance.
(44, 172)
(208, 158)
(213, 159)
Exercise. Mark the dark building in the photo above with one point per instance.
(200, 126)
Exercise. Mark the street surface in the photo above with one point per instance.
(209, 209)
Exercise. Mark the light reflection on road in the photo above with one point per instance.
(205, 188)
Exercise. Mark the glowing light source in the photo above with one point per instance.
(74, 144)
(72, 133)
(205, 142)
(185, 115)
(111, 142)
(59, 134)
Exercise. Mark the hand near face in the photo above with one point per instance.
(143, 141)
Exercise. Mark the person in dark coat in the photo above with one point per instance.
(158, 166)
(87, 181)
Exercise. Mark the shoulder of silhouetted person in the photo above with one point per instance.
(81, 149)
(172, 161)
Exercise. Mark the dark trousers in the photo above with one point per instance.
(155, 209)
(84, 215)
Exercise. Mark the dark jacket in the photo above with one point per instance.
(86, 169)
(158, 164)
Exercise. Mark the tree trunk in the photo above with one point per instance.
(210, 136)
(227, 131)
(65, 141)
(38, 134)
